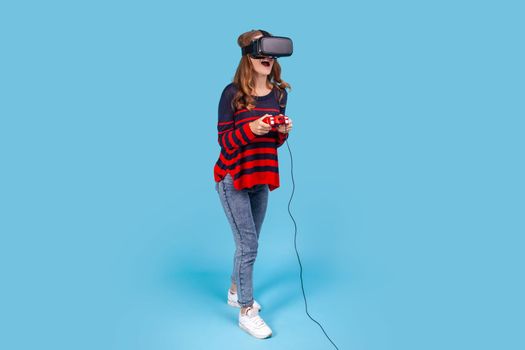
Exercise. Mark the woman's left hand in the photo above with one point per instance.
(286, 128)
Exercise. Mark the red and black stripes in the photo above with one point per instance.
(232, 138)
(265, 110)
(250, 159)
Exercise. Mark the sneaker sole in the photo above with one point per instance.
(252, 334)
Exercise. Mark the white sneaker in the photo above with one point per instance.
(252, 323)
(233, 301)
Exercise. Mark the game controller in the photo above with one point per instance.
(276, 120)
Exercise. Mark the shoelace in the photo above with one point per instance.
(256, 319)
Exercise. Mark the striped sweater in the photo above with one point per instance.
(249, 158)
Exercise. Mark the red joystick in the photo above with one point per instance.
(276, 120)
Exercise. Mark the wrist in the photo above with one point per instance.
(249, 130)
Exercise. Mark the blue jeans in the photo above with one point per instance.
(245, 210)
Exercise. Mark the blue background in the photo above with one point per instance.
(408, 161)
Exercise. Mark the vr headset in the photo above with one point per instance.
(269, 46)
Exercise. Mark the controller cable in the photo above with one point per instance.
(297, 253)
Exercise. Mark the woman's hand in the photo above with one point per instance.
(259, 127)
(286, 128)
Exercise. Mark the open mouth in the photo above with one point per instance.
(265, 63)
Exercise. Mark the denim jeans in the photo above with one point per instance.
(245, 210)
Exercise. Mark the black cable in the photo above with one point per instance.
(297, 253)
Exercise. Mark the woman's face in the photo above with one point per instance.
(262, 66)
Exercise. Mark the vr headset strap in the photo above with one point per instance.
(264, 32)
(249, 48)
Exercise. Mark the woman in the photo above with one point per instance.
(247, 168)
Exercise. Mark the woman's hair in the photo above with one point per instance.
(244, 77)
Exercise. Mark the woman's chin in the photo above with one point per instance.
(266, 71)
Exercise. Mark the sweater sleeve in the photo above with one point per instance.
(229, 137)
(281, 138)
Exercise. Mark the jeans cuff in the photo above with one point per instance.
(246, 304)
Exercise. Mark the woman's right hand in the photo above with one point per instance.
(259, 127)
